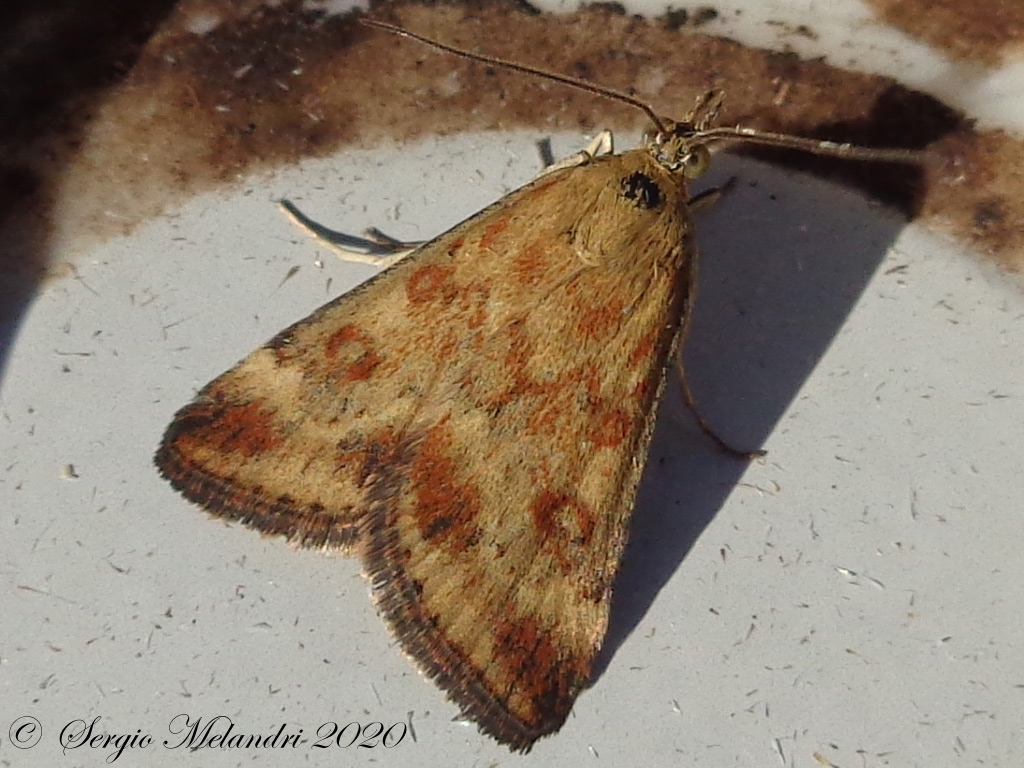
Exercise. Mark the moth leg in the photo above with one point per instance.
(709, 197)
(737, 453)
(376, 249)
(602, 144)
(684, 382)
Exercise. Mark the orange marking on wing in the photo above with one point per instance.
(445, 345)
(643, 350)
(565, 524)
(551, 397)
(543, 187)
(474, 299)
(590, 379)
(495, 229)
(431, 283)
(599, 321)
(456, 246)
(530, 658)
(447, 507)
(556, 514)
(517, 361)
(543, 420)
(518, 348)
(611, 428)
(528, 264)
(245, 428)
(362, 367)
(544, 510)
(366, 457)
(477, 319)
(642, 390)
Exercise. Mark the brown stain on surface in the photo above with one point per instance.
(58, 61)
(269, 85)
(984, 31)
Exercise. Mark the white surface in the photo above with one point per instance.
(894, 459)
(855, 594)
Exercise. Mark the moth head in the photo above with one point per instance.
(679, 148)
(679, 145)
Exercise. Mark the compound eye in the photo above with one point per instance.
(697, 162)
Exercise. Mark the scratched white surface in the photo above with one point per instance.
(855, 594)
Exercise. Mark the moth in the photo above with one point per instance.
(473, 421)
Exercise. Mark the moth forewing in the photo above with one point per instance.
(482, 411)
(496, 530)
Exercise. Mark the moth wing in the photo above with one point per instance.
(497, 524)
(285, 440)
(476, 418)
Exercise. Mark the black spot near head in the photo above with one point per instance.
(642, 189)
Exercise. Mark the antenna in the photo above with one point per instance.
(709, 135)
(573, 82)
